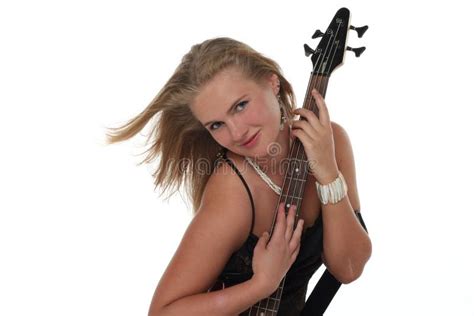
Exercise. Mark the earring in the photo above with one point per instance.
(282, 112)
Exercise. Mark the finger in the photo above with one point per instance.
(309, 116)
(294, 255)
(280, 222)
(262, 242)
(296, 238)
(303, 137)
(290, 222)
(323, 109)
(307, 128)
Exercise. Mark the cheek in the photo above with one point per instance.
(222, 137)
(272, 112)
(219, 138)
(268, 111)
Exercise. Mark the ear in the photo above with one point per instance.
(275, 83)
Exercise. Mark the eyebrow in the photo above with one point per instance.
(230, 109)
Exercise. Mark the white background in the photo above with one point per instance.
(82, 231)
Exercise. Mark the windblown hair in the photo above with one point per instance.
(186, 149)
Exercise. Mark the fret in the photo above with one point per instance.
(266, 313)
(266, 309)
(292, 197)
(298, 160)
(320, 83)
(295, 160)
(293, 182)
(300, 176)
(270, 303)
(258, 310)
(293, 190)
(296, 179)
(299, 180)
(290, 176)
(298, 167)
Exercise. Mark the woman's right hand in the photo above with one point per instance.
(272, 260)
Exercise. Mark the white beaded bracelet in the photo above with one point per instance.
(332, 192)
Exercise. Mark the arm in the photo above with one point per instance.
(347, 246)
(229, 301)
(218, 229)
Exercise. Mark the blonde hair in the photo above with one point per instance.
(177, 136)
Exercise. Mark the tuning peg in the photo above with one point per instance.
(308, 50)
(357, 51)
(317, 34)
(360, 30)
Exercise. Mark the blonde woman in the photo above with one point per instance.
(221, 128)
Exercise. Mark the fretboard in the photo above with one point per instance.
(297, 168)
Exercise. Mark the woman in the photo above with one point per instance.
(223, 129)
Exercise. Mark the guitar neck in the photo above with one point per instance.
(291, 193)
(297, 163)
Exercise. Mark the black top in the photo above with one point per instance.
(239, 266)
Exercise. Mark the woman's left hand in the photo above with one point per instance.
(317, 138)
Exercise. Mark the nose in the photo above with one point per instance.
(237, 131)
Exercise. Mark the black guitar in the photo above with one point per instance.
(325, 58)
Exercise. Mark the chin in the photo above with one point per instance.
(259, 152)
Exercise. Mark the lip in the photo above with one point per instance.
(251, 141)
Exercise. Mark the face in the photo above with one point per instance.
(235, 109)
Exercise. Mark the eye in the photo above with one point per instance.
(242, 105)
(212, 126)
(239, 107)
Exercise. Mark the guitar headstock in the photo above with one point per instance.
(331, 49)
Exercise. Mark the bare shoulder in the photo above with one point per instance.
(220, 226)
(345, 162)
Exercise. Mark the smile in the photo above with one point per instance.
(251, 141)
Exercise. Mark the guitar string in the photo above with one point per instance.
(312, 105)
(287, 195)
(318, 84)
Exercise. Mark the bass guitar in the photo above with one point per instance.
(328, 56)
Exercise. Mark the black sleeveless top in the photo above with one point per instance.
(239, 266)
